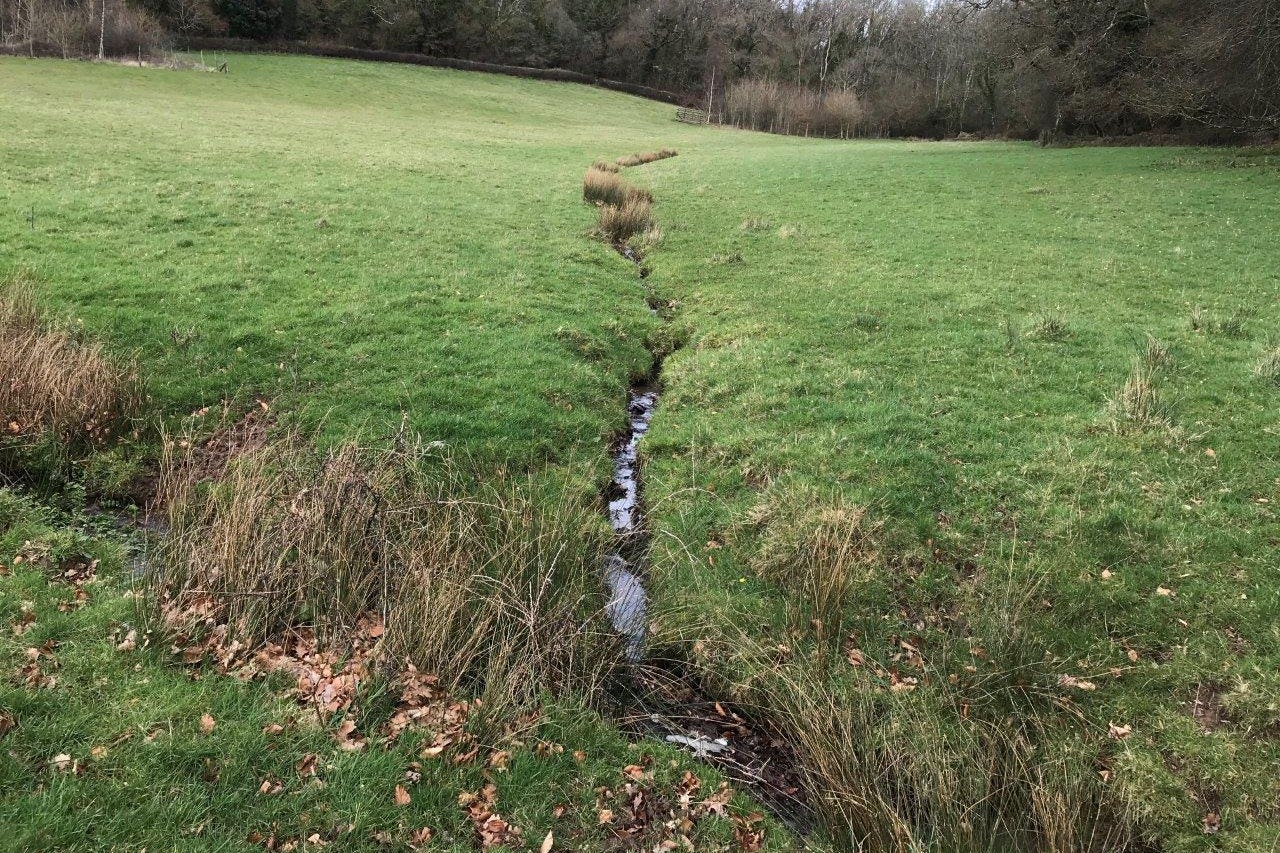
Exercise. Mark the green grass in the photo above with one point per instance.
(358, 239)
(865, 319)
(860, 346)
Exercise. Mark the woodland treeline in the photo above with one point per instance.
(1203, 68)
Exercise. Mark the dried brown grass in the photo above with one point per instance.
(619, 222)
(55, 384)
(603, 187)
(494, 587)
(643, 157)
(897, 757)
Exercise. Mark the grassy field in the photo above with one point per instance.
(974, 443)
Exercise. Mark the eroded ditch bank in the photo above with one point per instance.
(660, 696)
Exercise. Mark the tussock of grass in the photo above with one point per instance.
(604, 166)
(619, 222)
(1234, 325)
(1268, 364)
(603, 187)
(819, 549)
(1155, 354)
(1140, 403)
(641, 158)
(55, 384)
(902, 754)
(1052, 326)
(491, 588)
(647, 240)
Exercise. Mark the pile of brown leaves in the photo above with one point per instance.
(31, 674)
(491, 829)
(425, 704)
(328, 680)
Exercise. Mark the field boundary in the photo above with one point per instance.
(333, 51)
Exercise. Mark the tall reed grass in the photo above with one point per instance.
(485, 579)
(58, 390)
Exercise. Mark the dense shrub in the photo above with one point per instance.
(779, 108)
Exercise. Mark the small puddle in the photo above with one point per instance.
(627, 599)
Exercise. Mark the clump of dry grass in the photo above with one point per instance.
(604, 166)
(1140, 403)
(643, 157)
(619, 222)
(1268, 364)
(1052, 326)
(646, 240)
(55, 384)
(494, 588)
(603, 187)
(820, 549)
(1155, 354)
(914, 750)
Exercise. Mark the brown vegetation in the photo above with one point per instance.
(604, 187)
(57, 385)
(492, 588)
(779, 108)
(1140, 403)
(80, 29)
(644, 157)
(618, 223)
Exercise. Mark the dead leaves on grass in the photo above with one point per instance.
(641, 815)
(491, 829)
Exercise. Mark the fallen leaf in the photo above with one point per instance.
(1118, 732)
(347, 738)
(420, 837)
(306, 765)
(402, 797)
(606, 816)
(207, 724)
(129, 643)
(547, 843)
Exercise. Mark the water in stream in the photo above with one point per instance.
(627, 599)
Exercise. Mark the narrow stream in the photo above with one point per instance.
(663, 699)
(627, 599)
